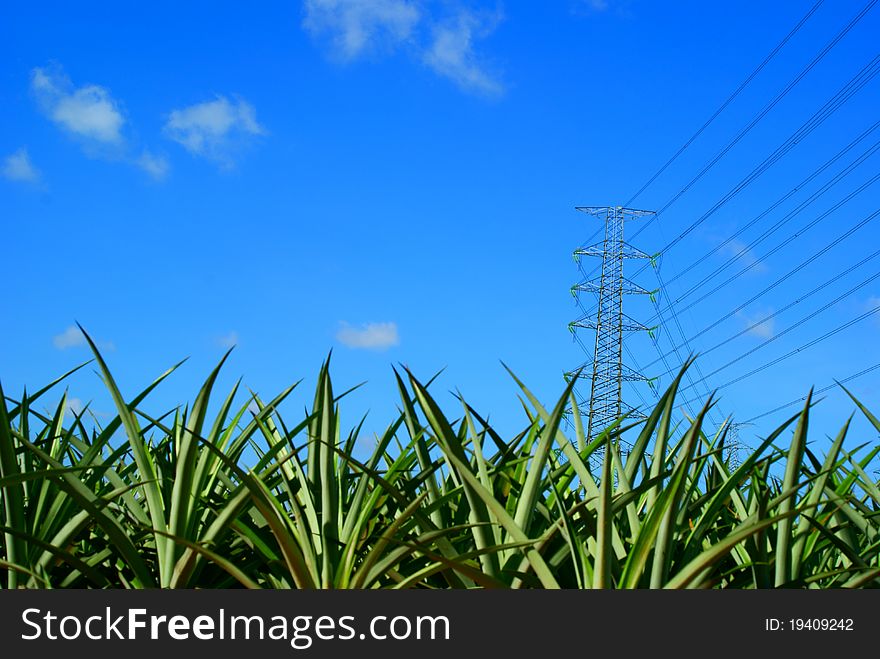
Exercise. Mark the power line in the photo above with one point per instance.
(781, 200)
(805, 346)
(820, 391)
(762, 258)
(790, 304)
(757, 118)
(697, 366)
(671, 306)
(745, 250)
(791, 328)
(855, 84)
(843, 95)
(729, 100)
(791, 273)
(631, 358)
(829, 108)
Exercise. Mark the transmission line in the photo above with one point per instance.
(786, 307)
(757, 118)
(724, 105)
(820, 391)
(791, 328)
(729, 100)
(672, 306)
(745, 250)
(686, 343)
(855, 84)
(793, 272)
(762, 258)
(805, 346)
(781, 200)
(843, 95)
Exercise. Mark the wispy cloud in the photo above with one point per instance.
(72, 337)
(18, 167)
(69, 338)
(214, 129)
(92, 116)
(358, 26)
(156, 166)
(75, 406)
(872, 303)
(596, 5)
(444, 44)
(740, 250)
(451, 53)
(620, 8)
(89, 112)
(756, 325)
(369, 336)
(228, 340)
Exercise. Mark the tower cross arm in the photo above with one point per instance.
(602, 211)
(627, 251)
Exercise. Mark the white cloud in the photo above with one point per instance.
(69, 338)
(214, 129)
(359, 26)
(155, 165)
(18, 167)
(73, 337)
(369, 336)
(451, 54)
(75, 406)
(88, 112)
(616, 7)
(94, 117)
(873, 303)
(228, 340)
(356, 26)
(739, 250)
(757, 326)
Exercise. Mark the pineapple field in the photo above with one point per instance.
(246, 498)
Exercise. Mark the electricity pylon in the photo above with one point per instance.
(735, 448)
(609, 322)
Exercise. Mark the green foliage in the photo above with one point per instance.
(182, 502)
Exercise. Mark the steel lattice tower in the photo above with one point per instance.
(609, 322)
(735, 448)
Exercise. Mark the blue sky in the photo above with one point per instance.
(396, 181)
